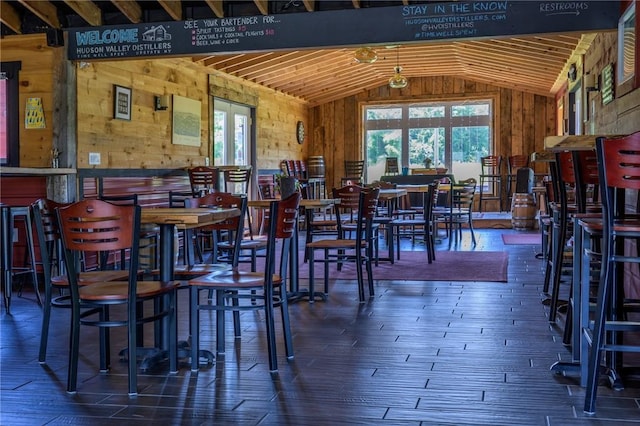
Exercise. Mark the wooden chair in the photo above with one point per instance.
(514, 163)
(238, 181)
(358, 249)
(258, 290)
(391, 166)
(491, 178)
(619, 171)
(53, 270)
(203, 180)
(266, 191)
(353, 172)
(96, 226)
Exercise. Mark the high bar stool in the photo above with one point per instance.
(619, 169)
(10, 216)
(491, 176)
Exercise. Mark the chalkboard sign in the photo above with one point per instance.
(376, 25)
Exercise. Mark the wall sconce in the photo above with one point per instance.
(591, 82)
(162, 102)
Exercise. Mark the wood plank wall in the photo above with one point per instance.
(522, 119)
(40, 64)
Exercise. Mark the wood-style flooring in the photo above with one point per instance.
(418, 353)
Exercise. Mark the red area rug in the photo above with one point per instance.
(522, 239)
(481, 266)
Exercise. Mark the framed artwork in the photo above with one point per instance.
(187, 116)
(121, 103)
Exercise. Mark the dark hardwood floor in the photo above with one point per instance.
(418, 353)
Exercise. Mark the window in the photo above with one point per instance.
(454, 135)
(627, 44)
(9, 115)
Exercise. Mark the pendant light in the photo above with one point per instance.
(365, 55)
(398, 81)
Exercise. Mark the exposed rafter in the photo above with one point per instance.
(44, 10)
(9, 17)
(130, 9)
(87, 11)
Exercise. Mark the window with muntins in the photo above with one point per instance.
(453, 135)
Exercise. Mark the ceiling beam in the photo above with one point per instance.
(173, 8)
(217, 7)
(87, 11)
(130, 9)
(44, 10)
(9, 17)
(263, 6)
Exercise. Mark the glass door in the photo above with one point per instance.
(231, 134)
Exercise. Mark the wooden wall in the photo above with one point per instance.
(522, 119)
(40, 68)
(146, 142)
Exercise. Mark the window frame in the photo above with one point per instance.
(404, 124)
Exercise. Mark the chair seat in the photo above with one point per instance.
(188, 272)
(341, 243)
(244, 244)
(119, 290)
(92, 277)
(595, 225)
(234, 279)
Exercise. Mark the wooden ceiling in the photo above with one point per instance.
(534, 64)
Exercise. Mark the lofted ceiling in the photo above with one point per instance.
(533, 64)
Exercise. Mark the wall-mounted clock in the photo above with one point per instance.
(300, 132)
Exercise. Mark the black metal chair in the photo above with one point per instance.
(97, 226)
(240, 291)
(491, 180)
(359, 249)
(619, 169)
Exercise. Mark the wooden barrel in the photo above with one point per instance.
(523, 211)
(315, 166)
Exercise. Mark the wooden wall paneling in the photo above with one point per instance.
(517, 111)
(36, 80)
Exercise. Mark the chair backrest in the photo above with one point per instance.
(391, 166)
(429, 201)
(237, 180)
(267, 187)
(462, 196)
(349, 202)
(491, 165)
(619, 161)
(121, 200)
(354, 169)
(99, 226)
(516, 162)
(203, 180)
(176, 198)
(585, 168)
(48, 236)
(284, 217)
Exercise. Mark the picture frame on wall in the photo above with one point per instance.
(121, 102)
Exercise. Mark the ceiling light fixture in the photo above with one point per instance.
(365, 55)
(398, 81)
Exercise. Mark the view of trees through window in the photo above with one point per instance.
(452, 135)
